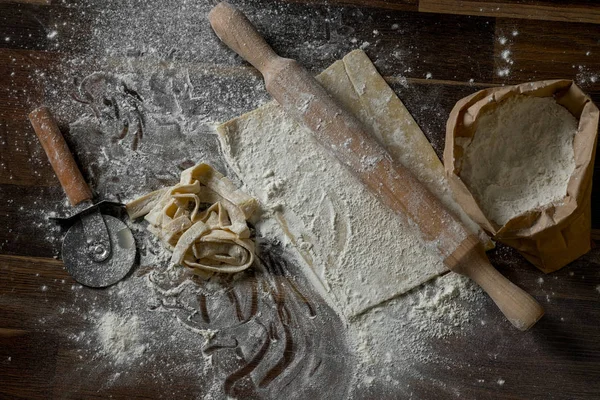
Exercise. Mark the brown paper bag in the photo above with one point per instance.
(549, 238)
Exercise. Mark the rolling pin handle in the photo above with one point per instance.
(520, 308)
(237, 32)
(60, 156)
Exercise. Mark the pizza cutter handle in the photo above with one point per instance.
(60, 156)
(237, 32)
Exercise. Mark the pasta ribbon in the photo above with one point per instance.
(202, 220)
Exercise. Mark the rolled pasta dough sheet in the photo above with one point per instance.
(359, 250)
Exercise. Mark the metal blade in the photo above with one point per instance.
(96, 235)
(85, 269)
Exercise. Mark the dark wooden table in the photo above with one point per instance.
(445, 49)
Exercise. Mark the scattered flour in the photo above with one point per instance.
(521, 157)
(395, 338)
(193, 336)
(504, 62)
(141, 98)
(120, 337)
(436, 309)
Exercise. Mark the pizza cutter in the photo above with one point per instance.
(98, 249)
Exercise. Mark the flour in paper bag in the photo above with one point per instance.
(521, 157)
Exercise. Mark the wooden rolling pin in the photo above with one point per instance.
(337, 130)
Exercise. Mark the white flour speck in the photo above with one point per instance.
(503, 72)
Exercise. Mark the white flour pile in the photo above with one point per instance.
(437, 308)
(521, 157)
(393, 340)
(126, 334)
(120, 337)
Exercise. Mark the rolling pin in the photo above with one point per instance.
(342, 134)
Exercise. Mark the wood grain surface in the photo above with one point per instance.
(432, 53)
(537, 11)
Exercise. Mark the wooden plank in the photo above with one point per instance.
(555, 12)
(537, 50)
(37, 279)
(26, 229)
(27, 363)
(24, 26)
(24, 72)
(34, 293)
(416, 45)
(407, 43)
(22, 160)
(566, 350)
(596, 194)
(39, 2)
(405, 5)
(40, 26)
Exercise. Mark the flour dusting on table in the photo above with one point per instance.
(120, 336)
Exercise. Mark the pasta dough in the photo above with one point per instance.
(355, 249)
(216, 239)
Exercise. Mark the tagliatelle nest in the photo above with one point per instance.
(216, 239)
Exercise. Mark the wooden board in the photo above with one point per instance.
(506, 9)
(558, 359)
